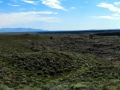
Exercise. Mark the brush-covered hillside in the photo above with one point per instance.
(59, 62)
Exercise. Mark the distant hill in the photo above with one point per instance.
(81, 31)
(21, 30)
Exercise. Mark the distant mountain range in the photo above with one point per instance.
(21, 30)
(41, 31)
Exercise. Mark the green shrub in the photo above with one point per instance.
(30, 88)
(3, 87)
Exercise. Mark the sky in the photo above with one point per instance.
(60, 14)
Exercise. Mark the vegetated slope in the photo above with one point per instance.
(45, 62)
(38, 68)
(57, 62)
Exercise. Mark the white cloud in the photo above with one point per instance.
(72, 8)
(110, 7)
(26, 17)
(15, 5)
(116, 3)
(116, 15)
(53, 4)
(107, 17)
(30, 1)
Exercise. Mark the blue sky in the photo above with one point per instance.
(60, 14)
